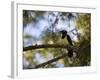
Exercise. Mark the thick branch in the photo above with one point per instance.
(49, 46)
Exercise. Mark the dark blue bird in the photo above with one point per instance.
(64, 34)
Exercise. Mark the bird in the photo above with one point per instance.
(64, 34)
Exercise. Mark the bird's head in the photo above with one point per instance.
(64, 33)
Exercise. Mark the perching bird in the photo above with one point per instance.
(64, 34)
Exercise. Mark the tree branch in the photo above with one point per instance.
(50, 46)
(50, 61)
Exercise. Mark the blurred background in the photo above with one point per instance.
(43, 27)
